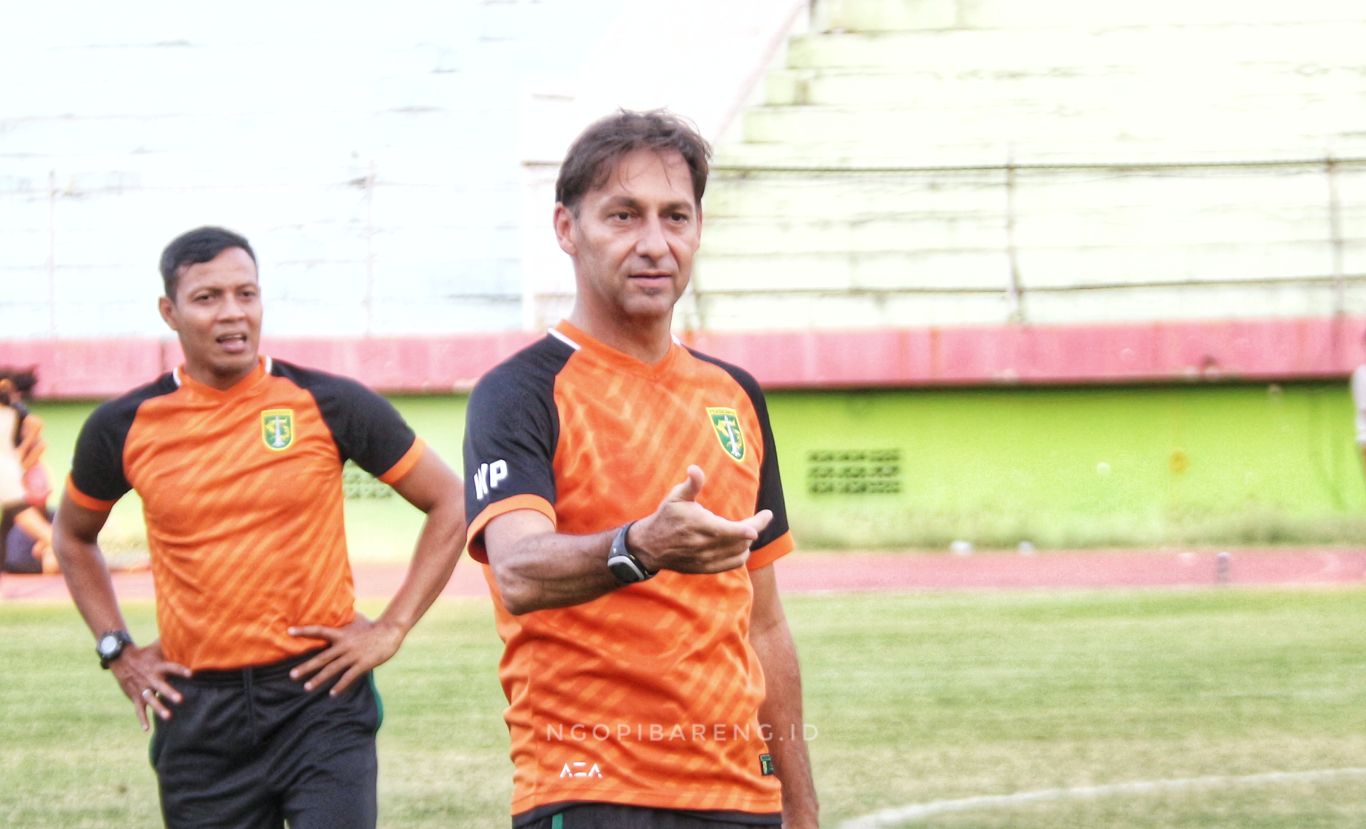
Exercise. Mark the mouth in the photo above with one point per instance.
(652, 278)
(233, 343)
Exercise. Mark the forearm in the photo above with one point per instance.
(780, 715)
(537, 568)
(87, 579)
(434, 558)
(553, 570)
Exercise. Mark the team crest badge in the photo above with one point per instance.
(725, 423)
(277, 429)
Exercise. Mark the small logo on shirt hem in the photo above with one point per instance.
(580, 768)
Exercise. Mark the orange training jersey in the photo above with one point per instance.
(242, 495)
(648, 695)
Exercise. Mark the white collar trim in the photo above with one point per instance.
(175, 372)
(559, 335)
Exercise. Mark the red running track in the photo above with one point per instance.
(854, 572)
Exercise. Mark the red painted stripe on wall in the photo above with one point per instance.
(1282, 349)
(1262, 350)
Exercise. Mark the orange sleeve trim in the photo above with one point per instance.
(83, 500)
(536, 503)
(772, 551)
(405, 464)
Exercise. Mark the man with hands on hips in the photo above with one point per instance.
(260, 683)
(624, 493)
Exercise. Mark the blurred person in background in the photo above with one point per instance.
(26, 525)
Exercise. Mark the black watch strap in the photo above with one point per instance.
(623, 563)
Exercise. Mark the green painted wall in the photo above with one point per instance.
(1074, 467)
(1216, 464)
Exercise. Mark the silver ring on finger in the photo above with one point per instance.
(147, 693)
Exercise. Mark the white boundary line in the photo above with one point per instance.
(899, 815)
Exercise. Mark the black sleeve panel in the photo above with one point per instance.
(97, 464)
(512, 428)
(770, 480)
(366, 427)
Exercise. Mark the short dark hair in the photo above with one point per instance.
(596, 151)
(194, 247)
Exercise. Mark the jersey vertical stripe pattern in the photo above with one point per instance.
(242, 496)
(648, 695)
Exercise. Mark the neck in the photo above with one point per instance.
(646, 340)
(222, 382)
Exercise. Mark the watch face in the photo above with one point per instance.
(625, 570)
(110, 646)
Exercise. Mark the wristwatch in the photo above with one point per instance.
(623, 563)
(110, 646)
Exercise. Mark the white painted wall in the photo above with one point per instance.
(376, 155)
(394, 165)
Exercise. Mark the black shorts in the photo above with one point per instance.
(250, 749)
(615, 816)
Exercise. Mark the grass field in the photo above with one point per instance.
(914, 698)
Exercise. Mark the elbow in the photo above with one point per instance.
(448, 519)
(517, 608)
(61, 545)
(516, 594)
(518, 605)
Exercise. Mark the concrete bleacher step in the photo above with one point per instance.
(795, 197)
(940, 162)
(1055, 50)
(1079, 264)
(1094, 231)
(902, 15)
(887, 233)
(1249, 84)
(1076, 265)
(926, 269)
(1045, 205)
(852, 309)
(1284, 192)
(991, 152)
(1314, 121)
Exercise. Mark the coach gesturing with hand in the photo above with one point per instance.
(539, 568)
(624, 492)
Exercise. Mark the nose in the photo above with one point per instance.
(231, 307)
(651, 243)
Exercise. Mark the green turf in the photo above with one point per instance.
(913, 698)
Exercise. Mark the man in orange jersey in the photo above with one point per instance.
(260, 681)
(625, 495)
